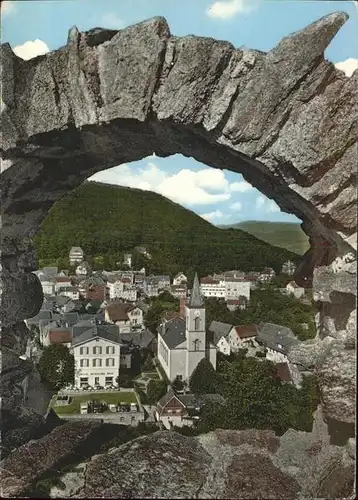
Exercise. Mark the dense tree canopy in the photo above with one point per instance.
(256, 398)
(203, 378)
(107, 221)
(57, 366)
(156, 390)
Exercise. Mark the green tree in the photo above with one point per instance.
(57, 366)
(178, 384)
(203, 378)
(156, 390)
(148, 364)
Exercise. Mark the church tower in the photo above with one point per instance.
(195, 329)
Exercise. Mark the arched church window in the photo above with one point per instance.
(197, 323)
(196, 344)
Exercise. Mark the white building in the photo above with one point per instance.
(115, 289)
(48, 286)
(127, 259)
(182, 342)
(211, 287)
(227, 288)
(125, 316)
(235, 288)
(83, 269)
(76, 255)
(277, 340)
(97, 354)
(241, 337)
(61, 282)
(293, 289)
(179, 279)
(220, 332)
(70, 292)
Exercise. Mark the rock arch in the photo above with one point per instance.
(286, 120)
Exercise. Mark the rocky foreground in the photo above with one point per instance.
(220, 464)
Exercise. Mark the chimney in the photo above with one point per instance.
(183, 302)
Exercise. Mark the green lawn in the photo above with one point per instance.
(108, 397)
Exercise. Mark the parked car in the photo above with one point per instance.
(84, 408)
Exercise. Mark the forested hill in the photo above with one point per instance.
(107, 221)
(288, 235)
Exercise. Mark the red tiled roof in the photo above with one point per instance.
(60, 336)
(247, 331)
(283, 372)
(234, 301)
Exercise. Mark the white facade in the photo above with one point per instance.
(223, 346)
(64, 283)
(179, 279)
(296, 291)
(236, 288)
(115, 289)
(97, 362)
(127, 259)
(136, 317)
(48, 287)
(82, 269)
(76, 255)
(275, 356)
(130, 293)
(126, 360)
(213, 288)
(70, 292)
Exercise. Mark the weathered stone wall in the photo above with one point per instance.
(286, 120)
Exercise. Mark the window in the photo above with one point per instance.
(121, 419)
(109, 362)
(97, 350)
(84, 362)
(109, 350)
(83, 350)
(83, 380)
(96, 381)
(109, 380)
(197, 323)
(96, 362)
(196, 344)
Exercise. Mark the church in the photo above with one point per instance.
(182, 341)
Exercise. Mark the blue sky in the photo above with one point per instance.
(35, 27)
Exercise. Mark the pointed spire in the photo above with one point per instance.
(196, 300)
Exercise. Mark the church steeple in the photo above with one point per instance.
(196, 300)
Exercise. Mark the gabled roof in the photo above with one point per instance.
(59, 335)
(167, 398)
(196, 299)
(272, 336)
(106, 332)
(118, 311)
(219, 330)
(173, 332)
(76, 250)
(247, 331)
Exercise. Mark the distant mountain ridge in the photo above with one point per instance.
(288, 235)
(107, 220)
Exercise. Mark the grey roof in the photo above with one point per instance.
(107, 332)
(196, 299)
(41, 315)
(141, 339)
(219, 330)
(71, 318)
(93, 280)
(76, 249)
(199, 400)
(166, 398)
(272, 335)
(173, 332)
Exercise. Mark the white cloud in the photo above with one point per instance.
(236, 206)
(31, 48)
(212, 216)
(240, 187)
(260, 201)
(226, 9)
(348, 66)
(272, 207)
(187, 187)
(8, 7)
(112, 21)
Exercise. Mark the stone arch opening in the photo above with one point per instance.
(286, 120)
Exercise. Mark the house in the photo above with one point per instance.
(182, 409)
(83, 269)
(70, 291)
(150, 287)
(220, 332)
(47, 284)
(143, 251)
(289, 268)
(295, 290)
(179, 279)
(141, 339)
(267, 274)
(119, 314)
(129, 293)
(127, 260)
(236, 288)
(163, 282)
(253, 278)
(179, 291)
(182, 342)
(97, 353)
(211, 287)
(289, 373)
(241, 337)
(115, 289)
(61, 282)
(93, 288)
(55, 335)
(277, 340)
(76, 255)
(233, 304)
